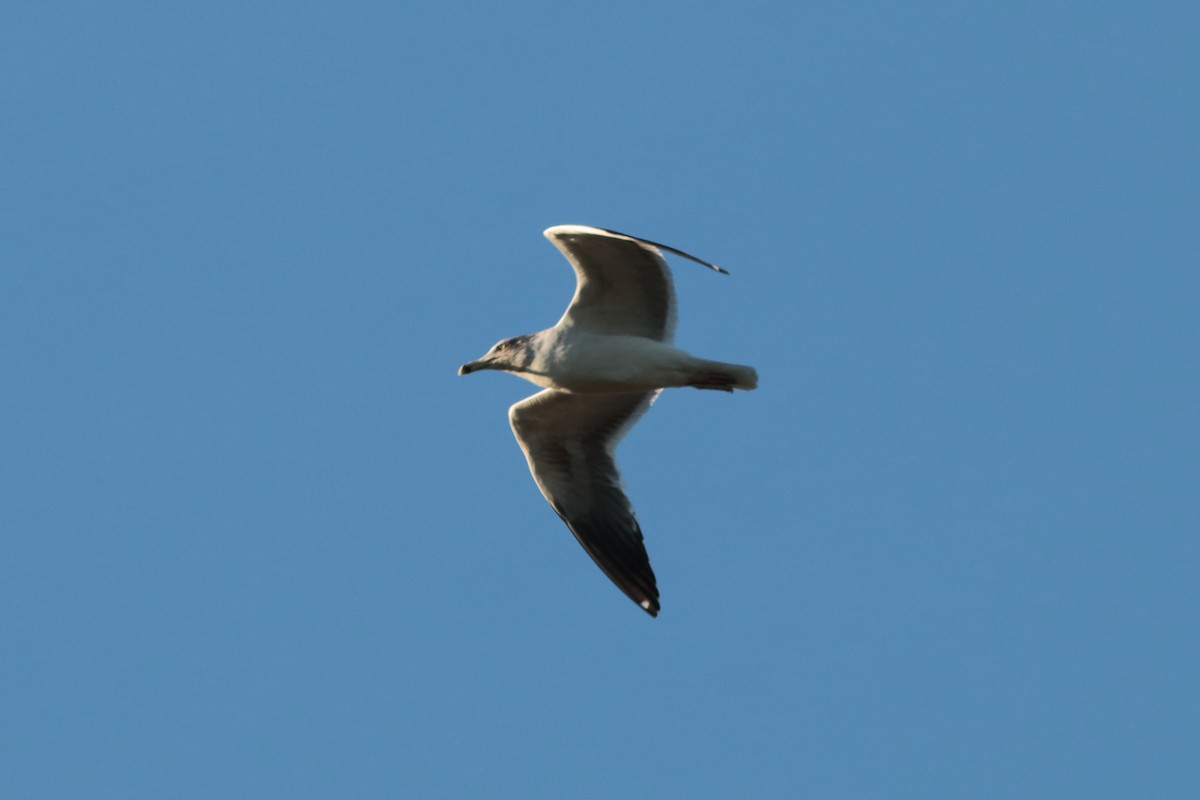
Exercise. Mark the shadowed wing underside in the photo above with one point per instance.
(569, 441)
(623, 286)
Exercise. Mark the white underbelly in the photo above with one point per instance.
(599, 363)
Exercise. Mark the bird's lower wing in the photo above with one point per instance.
(569, 441)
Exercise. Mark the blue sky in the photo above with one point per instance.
(260, 541)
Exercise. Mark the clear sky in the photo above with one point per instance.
(258, 540)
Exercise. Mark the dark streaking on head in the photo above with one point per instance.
(507, 354)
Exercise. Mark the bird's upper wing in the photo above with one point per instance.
(623, 285)
(569, 441)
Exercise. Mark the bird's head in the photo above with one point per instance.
(505, 355)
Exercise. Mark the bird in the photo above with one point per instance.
(600, 368)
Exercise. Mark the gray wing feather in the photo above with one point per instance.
(569, 441)
(623, 285)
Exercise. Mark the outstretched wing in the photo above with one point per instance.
(569, 441)
(623, 286)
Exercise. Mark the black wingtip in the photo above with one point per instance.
(669, 249)
(651, 607)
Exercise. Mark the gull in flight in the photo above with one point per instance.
(601, 367)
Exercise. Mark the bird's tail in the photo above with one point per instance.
(723, 377)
